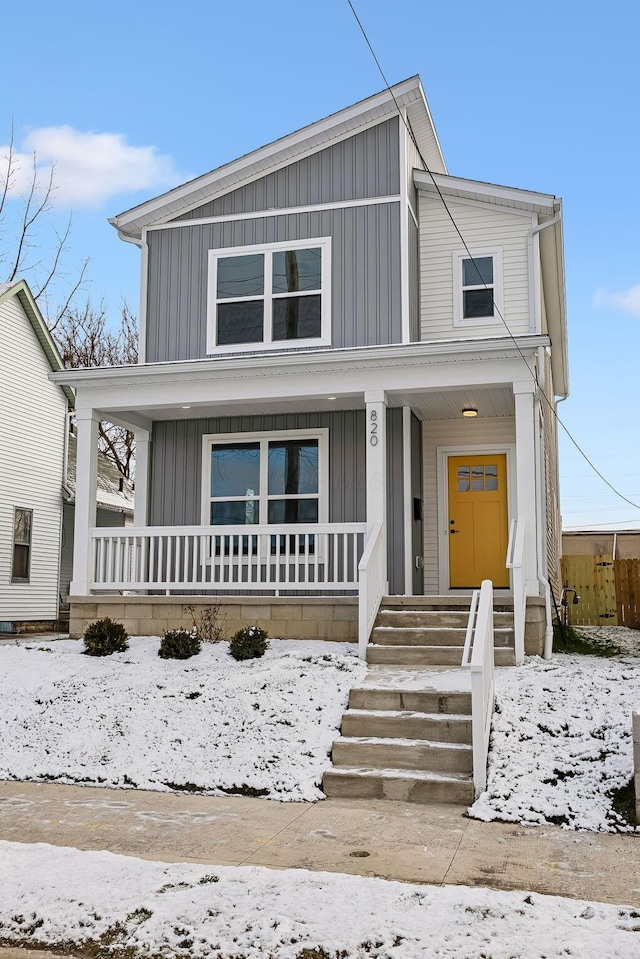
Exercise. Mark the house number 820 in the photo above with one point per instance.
(373, 433)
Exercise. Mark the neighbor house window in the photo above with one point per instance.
(477, 293)
(21, 561)
(261, 479)
(269, 296)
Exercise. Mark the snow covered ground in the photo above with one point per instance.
(561, 742)
(52, 895)
(261, 727)
(627, 640)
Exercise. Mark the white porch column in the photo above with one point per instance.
(140, 506)
(86, 493)
(376, 462)
(526, 472)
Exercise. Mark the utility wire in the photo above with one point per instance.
(497, 310)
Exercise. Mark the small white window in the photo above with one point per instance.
(21, 558)
(477, 287)
(270, 296)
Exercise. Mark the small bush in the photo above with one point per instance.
(208, 622)
(105, 637)
(179, 644)
(249, 643)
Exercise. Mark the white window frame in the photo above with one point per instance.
(267, 342)
(21, 579)
(458, 300)
(265, 437)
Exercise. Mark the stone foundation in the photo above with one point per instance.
(535, 626)
(283, 617)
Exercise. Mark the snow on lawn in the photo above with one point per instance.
(262, 727)
(561, 742)
(54, 895)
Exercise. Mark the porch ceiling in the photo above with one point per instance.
(432, 405)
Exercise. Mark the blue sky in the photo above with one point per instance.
(132, 98)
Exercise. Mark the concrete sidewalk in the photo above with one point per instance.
(430, 844)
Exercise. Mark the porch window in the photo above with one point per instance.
(21, 557)
(269, 296)
(269, 479)
(477, 287)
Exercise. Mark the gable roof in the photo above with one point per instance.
(407, 95)
(21, 290)
(113, 490)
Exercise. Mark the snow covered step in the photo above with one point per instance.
(427, 655)
(417, 700)
(402, 754)
(502, 604)
(434, 617)
(407, 724)
(431, 636)
(399, 785)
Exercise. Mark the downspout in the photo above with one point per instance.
(142, 307)
(535, 313)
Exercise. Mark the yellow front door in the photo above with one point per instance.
(478, 520)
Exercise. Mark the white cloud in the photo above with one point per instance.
(92, 167)
(628, 301)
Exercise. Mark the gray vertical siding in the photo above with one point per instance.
(417, 492)
(395, 511)
(176, 469)
(364, 165)
(365, 275)
(414, 282)
(176, 462)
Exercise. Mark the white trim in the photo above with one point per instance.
(498, 287)
(407, 501)
(443, 453)
(264, 437)
(482, 191)
(404, 231)
(266, 250)
(277, 211)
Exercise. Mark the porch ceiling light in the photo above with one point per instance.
(186, 407)
(332, 397)
(470, 411)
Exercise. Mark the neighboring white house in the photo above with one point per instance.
(33, 423)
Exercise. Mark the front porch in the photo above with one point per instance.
(321, 482)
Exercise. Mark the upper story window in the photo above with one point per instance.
(477, 287)
(21, 559)
(269, 296)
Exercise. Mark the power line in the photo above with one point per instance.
(497, 310)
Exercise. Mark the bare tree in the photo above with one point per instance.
(31, 247)
(85, 338)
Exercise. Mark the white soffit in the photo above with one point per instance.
(448, 405)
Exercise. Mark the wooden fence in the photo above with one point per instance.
(609, 590)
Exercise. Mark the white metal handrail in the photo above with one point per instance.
(471, 625)
(482, 685)
(373, 576)
(316, 557)
(515, 562)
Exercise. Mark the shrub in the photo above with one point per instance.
(179, 644)
(208, 622)
(249, 643)
(105, 637)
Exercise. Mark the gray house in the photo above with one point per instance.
(338, 399)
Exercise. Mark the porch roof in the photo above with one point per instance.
(435, 379)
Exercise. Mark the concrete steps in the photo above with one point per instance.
(403, 738)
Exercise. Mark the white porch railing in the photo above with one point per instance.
(515, 562)
(319, 558)
(482, 665)
(373, 585)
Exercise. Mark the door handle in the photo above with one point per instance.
(452, 531)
